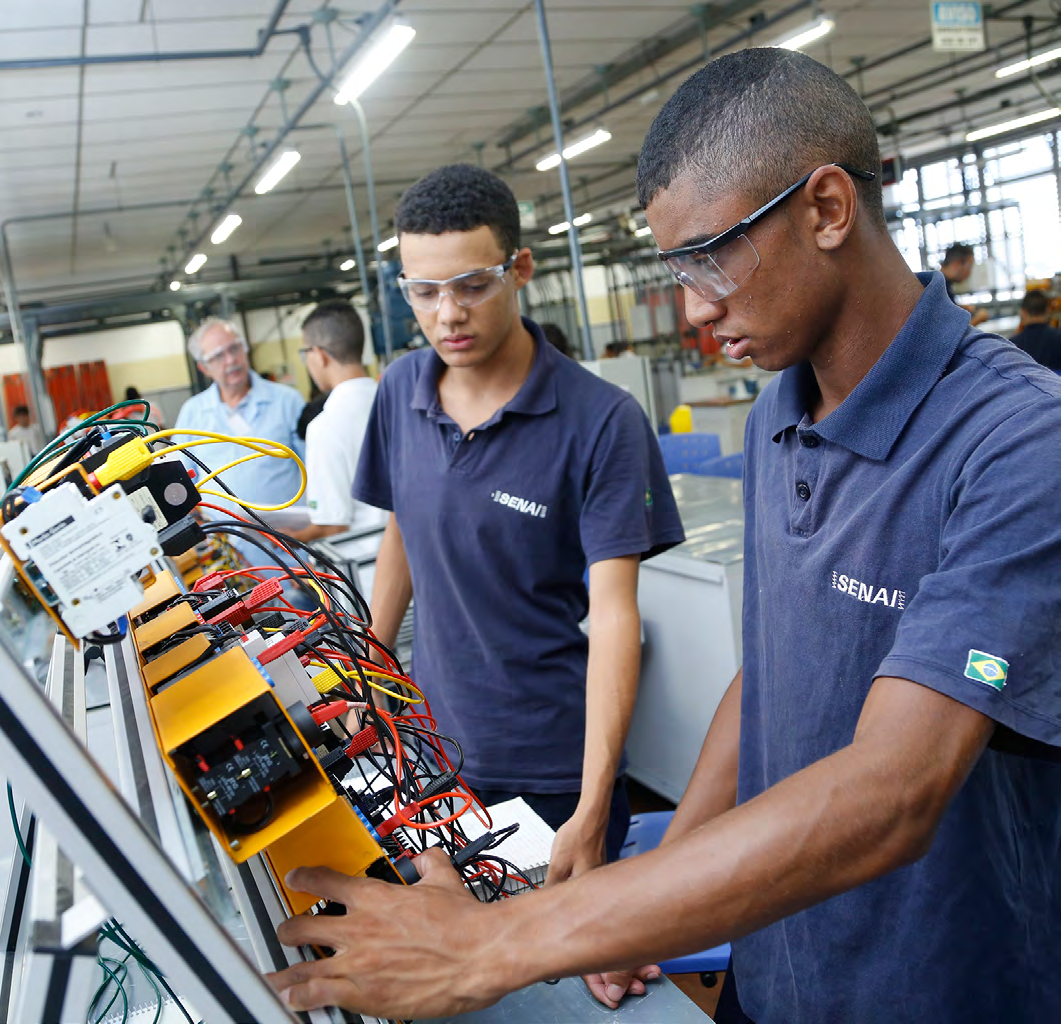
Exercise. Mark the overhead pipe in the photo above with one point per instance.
(373, 22)
(151, 58)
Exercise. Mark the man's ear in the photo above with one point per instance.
(523, 267)
(831, 197)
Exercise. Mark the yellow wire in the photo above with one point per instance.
(261, 446)
(405, 699)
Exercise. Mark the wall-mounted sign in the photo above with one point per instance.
(527, 218)
(957, 26)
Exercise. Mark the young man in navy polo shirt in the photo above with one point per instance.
(875, 818)
(508, 469)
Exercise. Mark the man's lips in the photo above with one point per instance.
(735, 348)
(457, 340)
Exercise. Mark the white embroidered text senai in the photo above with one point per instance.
(530, 508)
(870, 593)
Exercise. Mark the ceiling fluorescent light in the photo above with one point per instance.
(559, 229)
(641, 232)
(598, 137)
(174, 286)
(379, 57)
(280, 166)
(809, 33)
(1008, 126)
(195, 263)
(225, 228)
(1031, 62)
(388, 243)
(347, 265)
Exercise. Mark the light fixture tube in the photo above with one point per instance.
(225, 228)
(1031, 62)
(379, 57)
(388, 243)
(559, 229)
(1008, 126)
(641, 232)
(810, 33)
(347, 265)
(195, 263)
(598, 137)
(174, 286)
(279, 167)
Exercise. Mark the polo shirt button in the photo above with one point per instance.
(803, 490)
(456, 435)
(809, 441)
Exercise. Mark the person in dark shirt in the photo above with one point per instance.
(957, 266)
(1036, 337)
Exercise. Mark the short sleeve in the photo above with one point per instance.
(372, 481)
(629, 507)
(985, 627)
(328, 486)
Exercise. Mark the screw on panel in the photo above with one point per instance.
(23, 530)
(154, 552)
(75, 602)
(117, 495)
(234, 845)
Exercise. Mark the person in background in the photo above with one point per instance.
(154, 413)
(240, 403)
(1035, 336)
(312, 408)
(23, 430)
(509, 470)
(958, 263)
(556, 337)
(333, 343)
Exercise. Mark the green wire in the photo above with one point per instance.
(53, 447)
(158, 994)
(120, 988)
(14, 824)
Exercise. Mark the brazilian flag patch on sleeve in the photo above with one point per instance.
(987, 668)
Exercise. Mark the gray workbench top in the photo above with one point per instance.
(570, 1002)
(712, 512)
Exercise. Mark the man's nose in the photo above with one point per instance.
(701, 312)
(449, 310)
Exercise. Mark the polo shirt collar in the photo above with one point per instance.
(536, 396)
(869, 421)
(257, 394)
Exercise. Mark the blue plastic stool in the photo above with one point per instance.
(646, 830)
(724, 465)
(684, 453)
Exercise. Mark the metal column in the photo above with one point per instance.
(565, 184)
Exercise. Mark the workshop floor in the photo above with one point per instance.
(643, 801)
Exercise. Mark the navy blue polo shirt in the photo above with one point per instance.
(913, 532)
(499, 525)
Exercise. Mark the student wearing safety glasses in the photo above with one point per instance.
(508, 469)
(875, 816)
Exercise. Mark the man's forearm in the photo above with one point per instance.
(851, 817)
(392, 585)
(317, 531)
(611, 691)
(713, 788)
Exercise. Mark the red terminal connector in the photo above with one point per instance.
(361, 741)
(263, 593)
(215, 581)
(235, 614)
(397, 820)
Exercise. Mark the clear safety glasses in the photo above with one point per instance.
(719, 266)
(467, 289)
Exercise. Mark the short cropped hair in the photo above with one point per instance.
(754, 122)
(336, 327)
(195, 341)
(20, 410)
(957, 253)
(1035, 303)
(460, 197)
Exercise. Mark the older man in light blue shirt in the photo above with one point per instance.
(240, 403)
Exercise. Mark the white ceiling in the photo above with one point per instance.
(97, 137)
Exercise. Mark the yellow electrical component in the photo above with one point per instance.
(133, 457)
(163, 626)
(207, 697)
(180, 657)
(326, 680)
(334, 838)
(163, 590)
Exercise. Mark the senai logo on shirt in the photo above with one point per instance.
(530, 508)
(987, 668)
